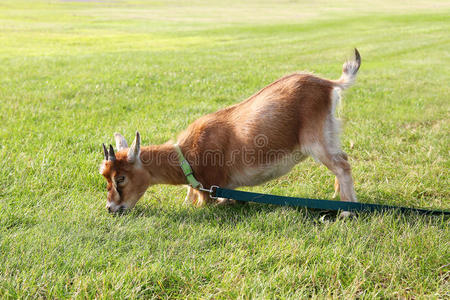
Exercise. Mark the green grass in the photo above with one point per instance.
(73, 73)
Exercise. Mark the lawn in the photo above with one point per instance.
(74, 72)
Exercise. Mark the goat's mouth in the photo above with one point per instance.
(119, 211)
(116, 209)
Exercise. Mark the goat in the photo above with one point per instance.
(245, 144)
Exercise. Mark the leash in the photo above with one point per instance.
(218, 192)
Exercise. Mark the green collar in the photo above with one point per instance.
(184, 164)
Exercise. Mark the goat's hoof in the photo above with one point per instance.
(225, 201)
(346, 214)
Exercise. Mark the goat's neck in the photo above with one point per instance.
(161, 161)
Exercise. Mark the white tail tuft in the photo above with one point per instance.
(349, 70)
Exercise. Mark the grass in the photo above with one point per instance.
(72, 73)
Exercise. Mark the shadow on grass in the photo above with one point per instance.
(230, 214)
(233, 215)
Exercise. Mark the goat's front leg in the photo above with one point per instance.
(196, 197)
(203, 198)
(190, 196)
(200, 198)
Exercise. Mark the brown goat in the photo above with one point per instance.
(246, 144)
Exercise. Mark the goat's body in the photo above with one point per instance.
(262, 137)
(246, 144)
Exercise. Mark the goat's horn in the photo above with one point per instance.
(105, 151)
(112, 155)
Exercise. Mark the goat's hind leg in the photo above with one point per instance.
(337, 162)
(336, 188)
(339, 165)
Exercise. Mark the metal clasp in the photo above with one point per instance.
(211, 191)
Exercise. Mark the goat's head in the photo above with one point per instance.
(126, 178)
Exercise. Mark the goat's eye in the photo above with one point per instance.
(120, 179)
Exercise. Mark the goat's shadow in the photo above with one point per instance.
(229, 215)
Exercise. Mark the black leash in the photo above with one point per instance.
(216, 192)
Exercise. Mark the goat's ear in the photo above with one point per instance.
(135, 149)
(121, 143)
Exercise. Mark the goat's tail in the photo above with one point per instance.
(349, 70)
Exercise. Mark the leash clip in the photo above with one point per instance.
(211, 191)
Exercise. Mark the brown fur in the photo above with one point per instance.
(290, 114)
(300, 105)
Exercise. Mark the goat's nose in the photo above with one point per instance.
(109, 209)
